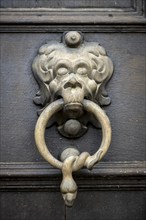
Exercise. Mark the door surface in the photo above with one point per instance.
(115, 188)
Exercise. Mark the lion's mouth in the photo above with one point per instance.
(73, 110)
(73, 99)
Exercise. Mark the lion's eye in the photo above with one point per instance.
(82, 71)
(62, 71)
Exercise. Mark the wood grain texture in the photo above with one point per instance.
(111, 189)
(73, 12)
(29, 187)
(63, 17)
(42, 177)
(31, 206)
(67, 4)
(113, 28)
(107, 205)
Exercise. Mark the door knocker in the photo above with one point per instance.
(72, 75)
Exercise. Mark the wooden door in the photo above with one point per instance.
(115, 188)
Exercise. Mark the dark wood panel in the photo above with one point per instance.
(66, 3)
(107, 205)
(101, 205)
(125, 12)
(113, 28)
(31, 206)
(115, 188)
(29, 187)
(126, 88)
(62, 16)
(42, 177)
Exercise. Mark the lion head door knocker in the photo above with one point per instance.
(72, 75)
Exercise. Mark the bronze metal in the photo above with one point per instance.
(72, 76)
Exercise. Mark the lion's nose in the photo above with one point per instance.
(73, 83)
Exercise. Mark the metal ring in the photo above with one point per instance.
(106, 132)
(54, 107)
(41, 124)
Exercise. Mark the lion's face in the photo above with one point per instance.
(73, 70)
(72, 81)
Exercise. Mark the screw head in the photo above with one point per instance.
(73, 39)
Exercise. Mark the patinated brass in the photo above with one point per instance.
(72, 76)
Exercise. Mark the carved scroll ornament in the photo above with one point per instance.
(72, 75)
